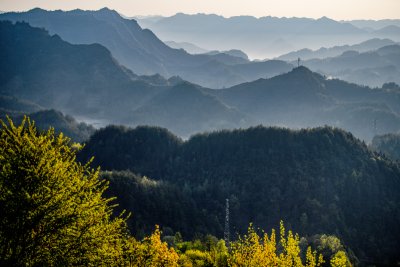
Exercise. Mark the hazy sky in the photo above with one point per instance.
(336, 9)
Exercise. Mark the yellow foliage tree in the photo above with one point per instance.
(208, 253)
(52, 209)
(340, 260)
(196, 258)
(253, 250)
(152, 252)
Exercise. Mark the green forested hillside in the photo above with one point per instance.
(319, 180)
(55, 213)
(152, 202)
(77, 131)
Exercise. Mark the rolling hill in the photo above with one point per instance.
(319, 180)
(302, 98)
(186, 109)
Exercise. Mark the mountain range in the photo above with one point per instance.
(264, 37)
(334, 51)
(55, 74)
(145, 54)
(371, 25)
(86, 81)
(373, 68)
(140, 50)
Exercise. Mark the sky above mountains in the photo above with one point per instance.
(335, 9)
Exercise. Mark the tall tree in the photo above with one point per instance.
(51, 207)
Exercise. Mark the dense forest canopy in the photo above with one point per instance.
(320, 180)
(54, 213)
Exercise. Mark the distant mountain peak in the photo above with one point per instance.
(325, 18)
(106, 10)
(36, 9)
(302, 69)
(303, 74)
(185, 85)
(175, 80)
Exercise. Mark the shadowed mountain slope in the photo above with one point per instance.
(188, 106)
(138, 49)
(82, 79)
(86, 81)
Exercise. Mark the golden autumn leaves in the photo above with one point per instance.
(53, 211)
(255, 250)
(250, 250)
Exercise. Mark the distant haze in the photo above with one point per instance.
(335, 9)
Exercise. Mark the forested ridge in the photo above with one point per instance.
(55, 213)
(320, 180)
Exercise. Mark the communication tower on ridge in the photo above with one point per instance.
(375, 127)
(226, 231)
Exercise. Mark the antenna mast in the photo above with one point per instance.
(226, 231)
(375, 128)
